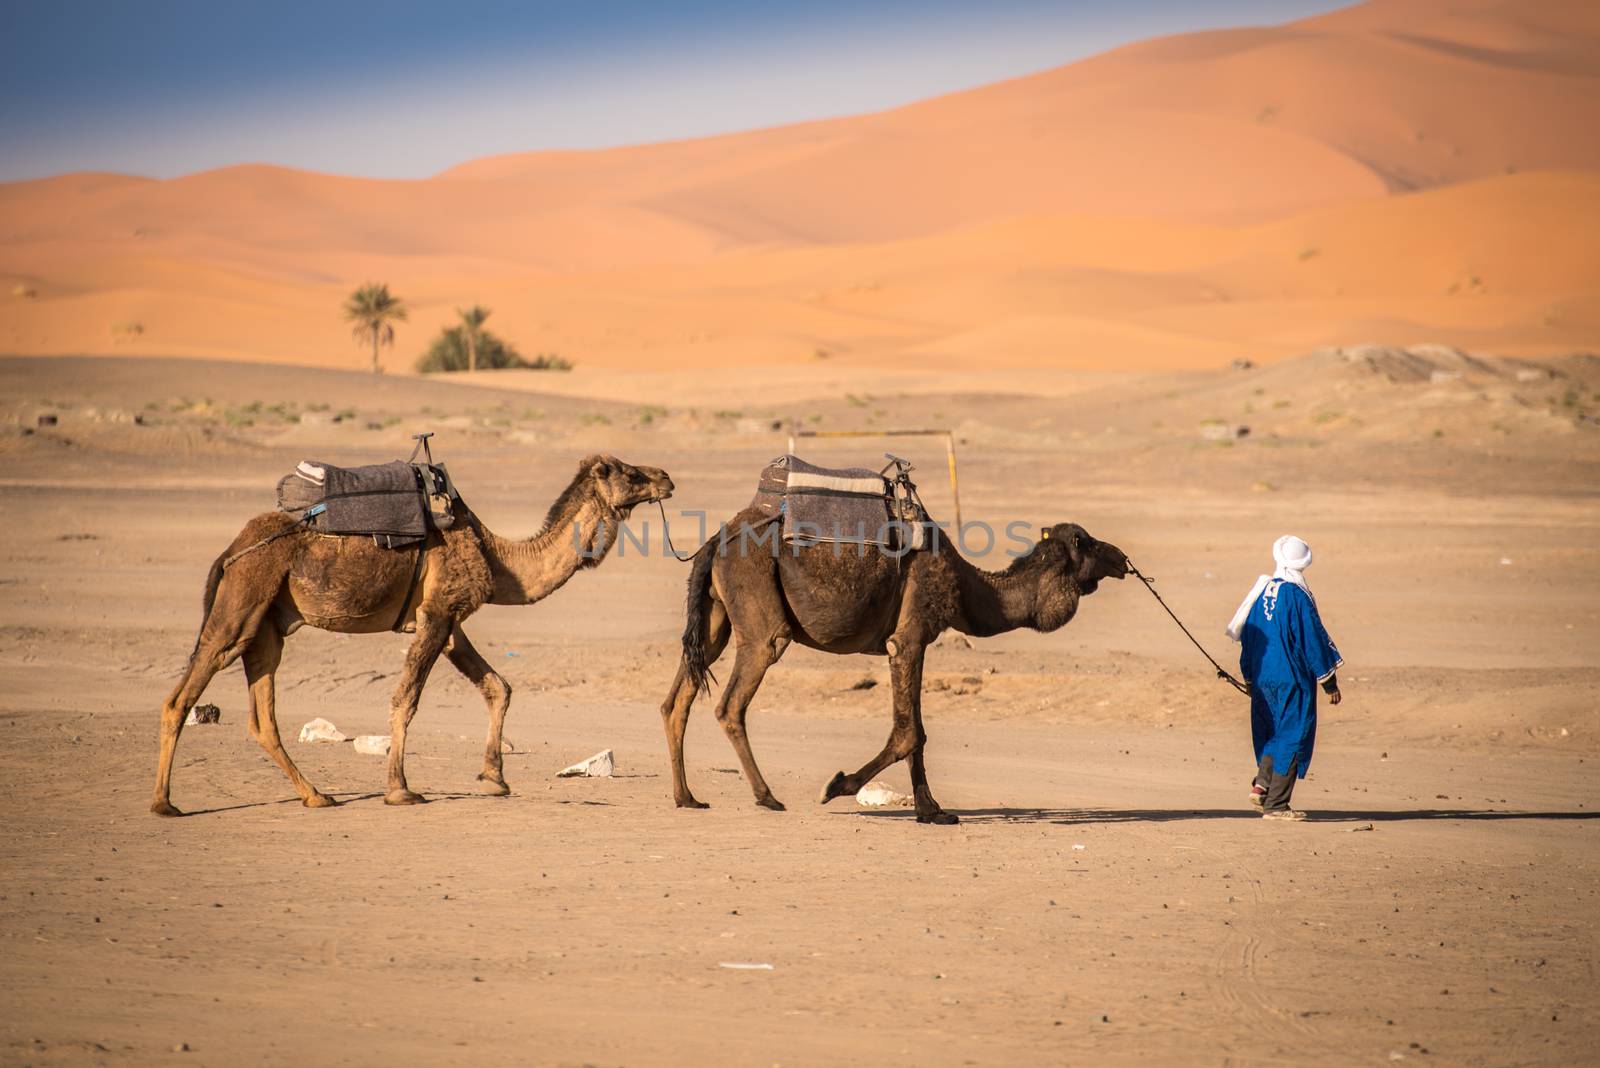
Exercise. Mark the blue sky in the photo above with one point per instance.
(407, 88)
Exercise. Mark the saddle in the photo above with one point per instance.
(848, 505)
(396, 504)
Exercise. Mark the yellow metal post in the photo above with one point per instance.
(955, 491)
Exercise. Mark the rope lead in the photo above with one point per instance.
(1150, 584)
(666, 536)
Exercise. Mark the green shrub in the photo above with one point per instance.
(549, 361)
(449, 353)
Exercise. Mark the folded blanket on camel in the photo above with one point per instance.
(849, 505)
(396, 503)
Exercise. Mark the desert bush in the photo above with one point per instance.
(449, 352)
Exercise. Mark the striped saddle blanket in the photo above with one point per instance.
(849, 505)
(396, 503)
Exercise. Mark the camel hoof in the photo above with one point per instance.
(689, 802)
(165, 808)
(403, 797)
(320, 800)
(771, 802)
(834, 788)
(492, 787)
(940, 817)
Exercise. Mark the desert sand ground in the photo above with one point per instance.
(1109, 897)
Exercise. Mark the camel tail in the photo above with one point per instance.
(209, 599)
(695, 628)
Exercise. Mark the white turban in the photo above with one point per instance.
(1292, 556)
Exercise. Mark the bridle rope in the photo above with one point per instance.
(1150, 584)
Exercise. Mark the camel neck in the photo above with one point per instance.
(1029, 594)
(529, 570)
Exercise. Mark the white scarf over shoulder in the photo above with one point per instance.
(1292, 556)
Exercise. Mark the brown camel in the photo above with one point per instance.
(768, 595)
(349, 585)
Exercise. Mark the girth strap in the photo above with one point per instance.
(416, 576)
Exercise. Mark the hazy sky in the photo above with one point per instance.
(407, 88)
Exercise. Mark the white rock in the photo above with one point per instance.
(373, 744)
(320, 730)
(599, 766)
(1223, 431)
(200, 715)
(878, 794)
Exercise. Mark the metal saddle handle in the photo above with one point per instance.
(902, 466)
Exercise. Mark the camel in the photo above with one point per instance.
(767, 596)
(349, 585)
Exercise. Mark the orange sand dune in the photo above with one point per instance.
(1396, 171)
(1505, 264)
(1227, 125)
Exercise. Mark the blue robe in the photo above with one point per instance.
(1286, 653)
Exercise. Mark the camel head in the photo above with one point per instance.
(1084, 559)
(623, 486)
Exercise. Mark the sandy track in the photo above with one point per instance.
(585, 922)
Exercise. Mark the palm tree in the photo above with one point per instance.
(374, 311)
(472, 320)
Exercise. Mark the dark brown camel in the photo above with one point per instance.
(349, 585)
(848, 602)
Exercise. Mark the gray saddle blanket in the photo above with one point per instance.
(847, 505)
(396, 503)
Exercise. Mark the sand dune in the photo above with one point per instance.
(1172, 203)
(1504, 265)
(1229, 125)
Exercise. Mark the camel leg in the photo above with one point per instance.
(905, 671)
(928, 810)
(261, 661)
(750, 664)
(497, 695)
(433, 633)
(173, 712)
(226, 631)
(675, 709)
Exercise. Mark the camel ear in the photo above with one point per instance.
(601, 469)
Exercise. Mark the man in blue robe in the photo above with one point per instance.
(1285, 655)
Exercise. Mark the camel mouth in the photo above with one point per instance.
(649, 499)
